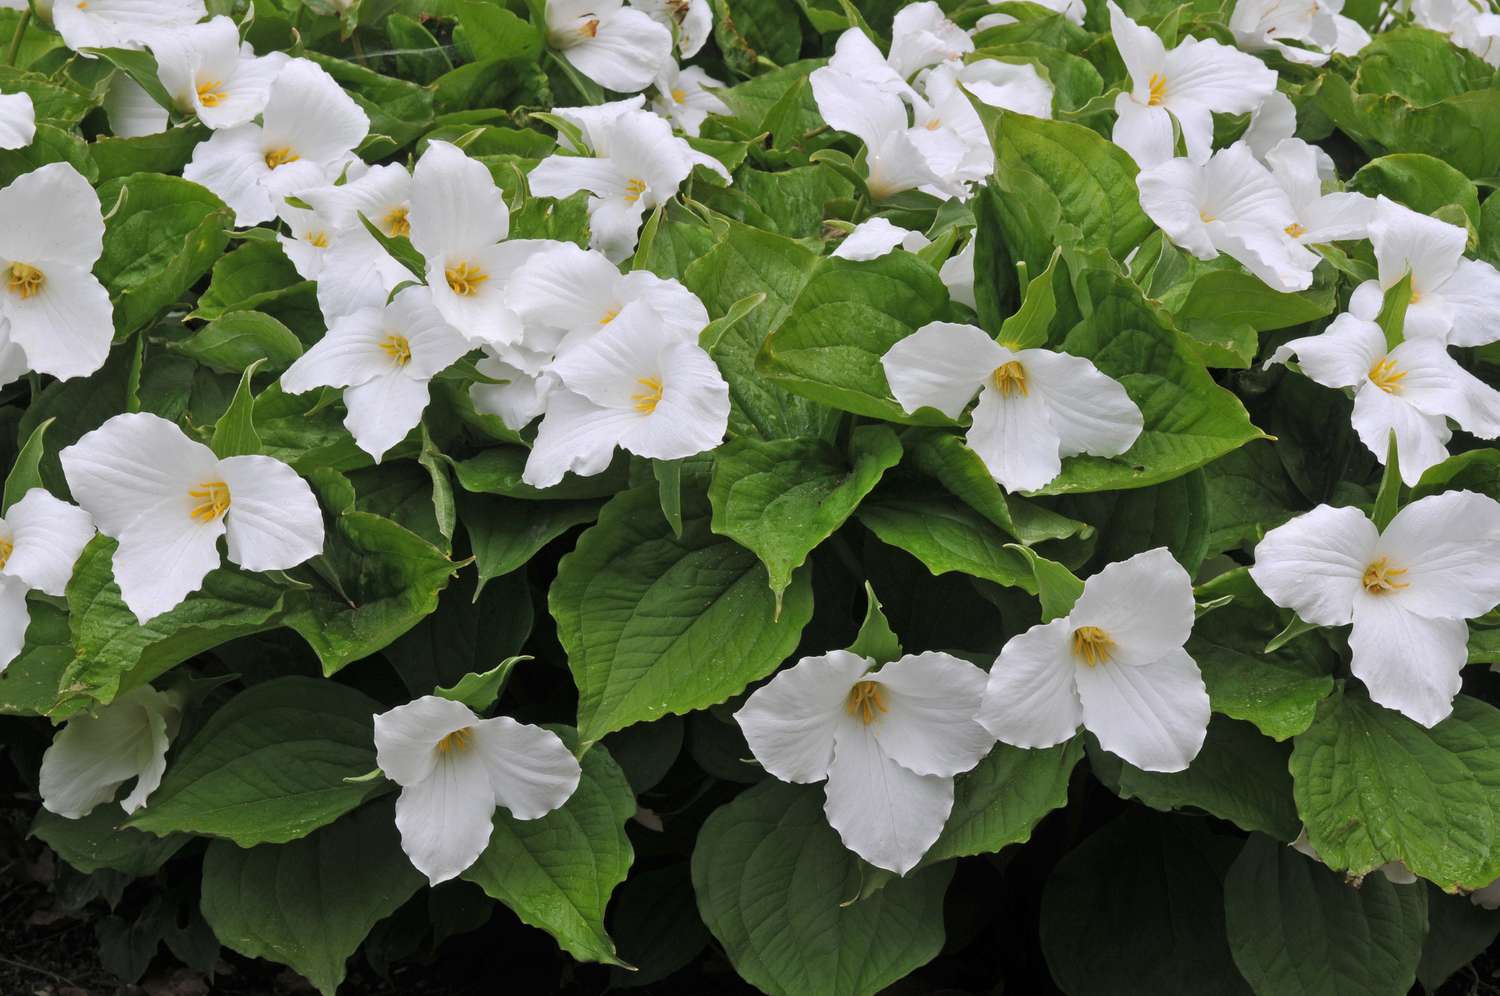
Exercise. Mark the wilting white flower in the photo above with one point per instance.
(58, 317)
(876, 237)
(641, 387)
(1014, 86)
(40, 540)
(682, 99)
(168, 499)
(454, 769)
(618, 47)
(121, 23)
(1453, 299)
(384, 359)
(693, 18)
(637, 164)
(1297, 168)
(306, 138)
(17, 120)
(922, 36)
(1189, 83)
(897, 154)
(888, 742)
(209, 72)
(94, 754)
(1035, 406)
(1230, 204)
(1411, 390)
(1269, 24)
(957, 274)
(1407, 590)
(1114, 665)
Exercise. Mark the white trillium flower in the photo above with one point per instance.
(40, 540)
(693, 19)
(1114, 665)
(1297, 168)
(17, 120)
(1411, 390)
(897, 154)
(455, 769)
(1453, 299)
(1010, 85)
(209, 72)
(1189, 83)
(957, 274)
(1259, 25)
(922, 36)
(384, 359)
(58, 317)
(682, 97)
(306, 138)
(1035, 406)
(640, 386)
(121, 23)
(168, 499)
(595, 122)
(888, 742)
(616, 46)
(876, 237)
(1406, 590)
(93, 755)
(1232, 205)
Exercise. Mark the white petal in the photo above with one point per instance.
(1269, 254)
(131, 463)
(349, 353)
(384, 410)
(1434, 383)
(14, 618)
(47, 536)
(1015, 438)
(858, 107)
(1421, 439)
(531, 771)
(789, 721)
(575, 435)
(1472, 295)
(614, 225)
(93, 755)
(164, 556)
(1089, 411)
(132, 111)
(1173, 195)
(52, 216)
(247, 92)
(1449, 544)
(456, 209)
(1143, 131)
(1140, 49)
(1406, 240)
(922, 35)
(1215, 76)
(273, 519)
(1153, 715)
(625, 53)
(308, 112)
(871, 240)
(928, 726)
(693, 412)
(407, 736)
(884, 813)
(1341, 355)
(1409, 663)
(1031, 699)
(568, 288)
(941, 365)
(1313, 564)
(1144, 603)
(66, 328)
(232, 164)
(154, 754)
(446, 819)
(17, 120)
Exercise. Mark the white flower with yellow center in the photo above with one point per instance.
(897, 157)
(1269, 24)
(682, 97)
(641, 386)
(1115, 665)
(40, 540)
(693, 19)
(120, 23)
(384, 359)
(616, 46)
(1190, 83)
(306, 138)
(1407, 590)
(888, 742)
(168, 499)
(1298, 168)
(454, 769)
(209, 72)
(56, 312)
(95, 753)
(1035, 406)
(1411, 390)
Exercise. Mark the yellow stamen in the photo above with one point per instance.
(458, 741)
(589, 29)
(634, 189)
(610, 316)
(396, 223)
(1387, 376)
(319, 239)
(1296, 230)
(1156, 88)
(647, 400)
(934, 124)
(679, 95)
(1205, 217)
(465, 278)
(397, 348)
(280, 157)
(6, 549)
(211, 94)
(1009, 379)
(866, 700)
(25, 281)
(212, 498)
(1381, 578)
(1092, 645)
(1416, 295)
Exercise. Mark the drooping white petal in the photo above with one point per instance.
(567, 287)
(1449, 546)
(1144, 131)
(531, 771)
(133, 462)
(883, 812)
(382, 411)
(872, 239)
(922, 36)
(1408, 663)
(14, 618)
(132, 111)
(575, 435)
(154, 755)
(941, 365)
(456, 208)
(1339, 356)
(789, 721)
(310, 114)
(93, 755)
(1433, 382)
(1472, 297)
(1013, 435)
(1089, 411)
(47, 535)
(957, 274)
(274, 522)
(1145, 605)
(164, 555)
(349, 353)
(407, 737)
(1031, 699)
(1421, 439)
(52, 216)
(1314, 564)
(1173, 196)
(1154, 715)
(928, 725)
(445, 820)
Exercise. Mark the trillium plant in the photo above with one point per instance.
(811, 497)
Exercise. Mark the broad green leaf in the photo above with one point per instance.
(1420, 182)
(1173, 514)
(781, 498)
(165, 152)
(234, 433)
(257, 276)
(1298, 929)
(557, 873)
(1002, 800)
(480, 691)
(1374, 787)
(99, 841)
(1214, 305)
(141, 67)
(309, 904)
(1458, 931)
(947, 535)
(270, 765)
(772, 879)
(26, 472)
(656, 624)
(1027, 328)
(505, 533)
(497, 471)
(494, 33)
(28, 685)
(1057, 587)
(469, 633)
(236, 339)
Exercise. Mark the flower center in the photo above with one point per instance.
(211, 94)
(649, 396)
(6, 549)
(1092, 645)
(1205, 217)
(319, 239)
(634, 188)
(465, 278)
(1156, 89)
(1009, 379)
(934, 124)
(679, 94)
(1416, 295)
(397, 348)
(25, 281)
(396, 223)
(1380, 577)
(1296, 230)
(457, 741)
(212, 499)
(589, 28)
(280, 157)
(866, 700)
(610, 316)
(1387, 376)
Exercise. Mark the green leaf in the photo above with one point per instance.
(1392, 316)
(947, 535)
(480, 691)
(781, 498)
(165, 152)
(1298, 929)
(557, 873)
(1374, 787)
(772, 879)
(1057, 587)
(26, 472)
(1458, 931)
(234, 433)
(308, 904)
(236, 339)
(505, 533)
(141, 67)
(494, 33)
(1215, 306)
(270, 765)
(468, 633)
(876, 640)
(1001, 801)
(497, 471)
(1027, 328)
(655, 624)
(668, 474)
(1421, 182)
(1388, 498)
(28, 685)
(98, 841)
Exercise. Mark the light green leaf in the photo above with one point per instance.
(1057, 587)
(234, 433)
(26, 472)
(947, 535)
(876, 641)
(236, 339)
(480, 691)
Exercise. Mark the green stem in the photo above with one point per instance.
(15, 39)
